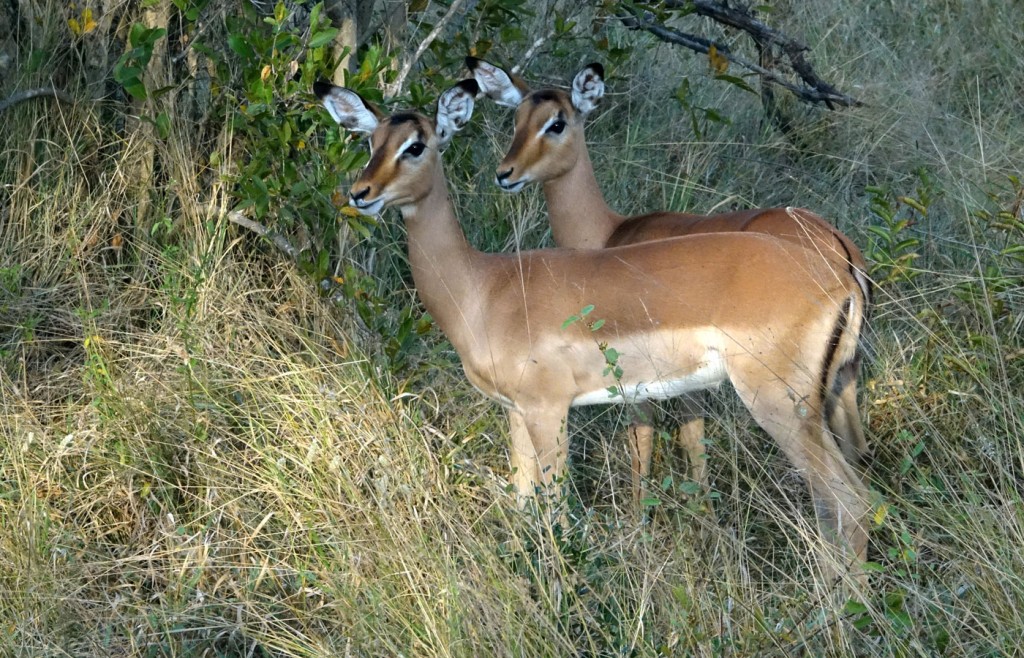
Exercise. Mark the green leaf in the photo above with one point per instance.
(323, 38)
(853, 607)
(163, 125)
(240, 45)
(913, 203)
(682, 597)
(137, 91)
(736, 81)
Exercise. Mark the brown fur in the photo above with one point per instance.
(581, 219)
(768, 308)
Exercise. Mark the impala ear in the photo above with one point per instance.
(588, 88)
(500, 86)
(454, 108)
(347, 107)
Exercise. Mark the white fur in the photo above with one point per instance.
(454, 108)
(497, 84)
(711, 372)
(348, 109)
(587, 89)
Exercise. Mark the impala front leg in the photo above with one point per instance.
(525, 475)
(539, 446)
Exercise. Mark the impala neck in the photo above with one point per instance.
(580, 218)
(441, 259)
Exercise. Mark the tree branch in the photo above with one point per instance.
(532, 50)
(395, 87)
(814, 90)
(29, 94)
(275, 238)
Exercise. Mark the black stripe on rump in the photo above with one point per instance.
(830, 353)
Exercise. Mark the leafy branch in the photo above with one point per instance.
(813, 89)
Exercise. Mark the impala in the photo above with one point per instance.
(768, 316)
(549, 148)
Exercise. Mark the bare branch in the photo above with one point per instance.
(532, 50)
(275, 238)
(395, 87)
(815, 90)
(29, 94)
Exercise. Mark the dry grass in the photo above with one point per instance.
(201, 455)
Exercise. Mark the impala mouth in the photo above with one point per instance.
(510, 186)
(365, 207)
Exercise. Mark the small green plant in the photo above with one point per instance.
(700, 117)
(611, 355)
(130, 67)
(893, 246)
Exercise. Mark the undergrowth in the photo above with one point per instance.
(207, 448)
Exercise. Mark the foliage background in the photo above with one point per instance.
(210, 448)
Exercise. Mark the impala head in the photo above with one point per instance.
(405, 147)
(549, 122)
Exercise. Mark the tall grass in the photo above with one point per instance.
(204, 455)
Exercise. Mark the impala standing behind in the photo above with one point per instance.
(549, 148)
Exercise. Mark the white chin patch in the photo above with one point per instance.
(512, 187)
(370, 209)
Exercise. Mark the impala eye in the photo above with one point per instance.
(557, 127)
(415, 150)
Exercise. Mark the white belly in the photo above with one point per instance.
(710, 373)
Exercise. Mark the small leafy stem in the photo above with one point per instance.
(612, 367)
(593, 325)
(611, 355)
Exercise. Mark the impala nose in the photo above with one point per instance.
(359, 195)
(503, 176)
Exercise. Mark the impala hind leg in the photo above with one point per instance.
(845, 420)
(640, 436)
(690, 435)
(840, 497)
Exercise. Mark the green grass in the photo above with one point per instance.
(202, 455)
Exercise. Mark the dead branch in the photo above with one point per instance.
(395, 87)
(29, 94)
(532, 50)
(813, 90)
(276, 239)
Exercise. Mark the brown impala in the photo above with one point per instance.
(770, 316)
(549, 148)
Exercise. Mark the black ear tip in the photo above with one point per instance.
(321, 88)
(470, 86)
(472, 63)
(598, 69)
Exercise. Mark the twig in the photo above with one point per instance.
(816, 89)
(395, 87)
(188, 46)
(29, 94)
(743, 19)
(275, 238)
(525, 59)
